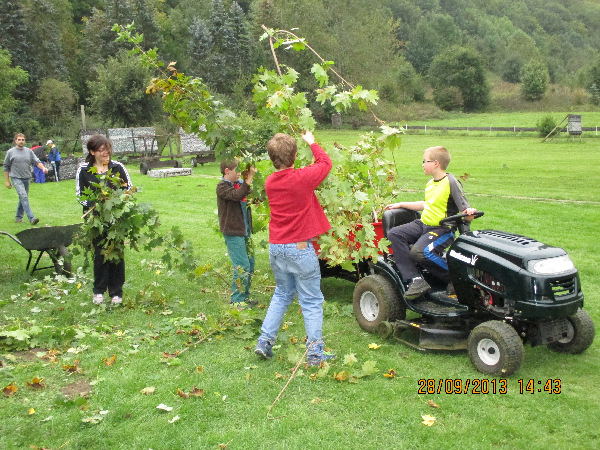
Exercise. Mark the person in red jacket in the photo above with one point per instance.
(297, 218)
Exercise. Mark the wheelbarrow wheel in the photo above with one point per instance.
(62, 264)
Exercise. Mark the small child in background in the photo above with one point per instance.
(235, 222)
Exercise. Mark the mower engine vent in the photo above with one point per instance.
(518, 239)
(488, 280)
(560, 288)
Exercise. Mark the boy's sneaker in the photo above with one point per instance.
(416, 288)
(263, 349)
(98, 298)
(251, 302)
(316, 360)
(34, 221)
(116, 300)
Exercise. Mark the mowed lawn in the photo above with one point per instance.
(545, 191)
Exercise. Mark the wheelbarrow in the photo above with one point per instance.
(50, 240)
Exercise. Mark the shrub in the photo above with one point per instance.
(448, 98)
(546, 125)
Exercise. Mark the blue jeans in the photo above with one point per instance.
(21, 185)
(243, 267)
(296, 271)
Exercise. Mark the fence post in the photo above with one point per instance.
(515, 129)
(425, 128)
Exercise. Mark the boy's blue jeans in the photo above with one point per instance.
(243, 266)
(296, 270)
(21, 185)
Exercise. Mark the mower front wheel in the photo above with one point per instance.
(376, 300)
(495, 348)
(580, 334)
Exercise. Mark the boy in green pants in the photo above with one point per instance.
(235, 222)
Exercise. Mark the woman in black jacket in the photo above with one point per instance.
(107, 274)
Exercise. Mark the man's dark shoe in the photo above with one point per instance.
(263, 349)
(18, 219)
(316, 360)
(416, 288)
(34, 221)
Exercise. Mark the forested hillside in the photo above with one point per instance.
(58, 54)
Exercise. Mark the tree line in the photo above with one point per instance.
(58, 54)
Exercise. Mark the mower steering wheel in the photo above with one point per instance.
(456, 218)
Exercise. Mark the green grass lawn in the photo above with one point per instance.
(546, 191)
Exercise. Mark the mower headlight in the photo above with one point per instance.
(550, 266)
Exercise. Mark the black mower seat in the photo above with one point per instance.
(394, 217)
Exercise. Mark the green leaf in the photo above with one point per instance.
(320, 74)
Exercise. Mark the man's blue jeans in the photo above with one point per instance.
(296, 270)
(21, 185)
(243, 266)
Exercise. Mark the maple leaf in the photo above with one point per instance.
(432, 404)
(390, 374)
(72, 368)
(316, 400)
(350, 359)
(182, 394)
(374, 346)
(148, 390)
(36, 383)
(464, 176)
(428, 420)
(170, 355)
(31, 411)
(342, 376)
(197, 392)
(164, 407)
(199, 369)
(110, 361)
(9, 390)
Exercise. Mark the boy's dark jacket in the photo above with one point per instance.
(231, 218)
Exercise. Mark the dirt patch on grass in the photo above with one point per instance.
(30, 355)
(79, 388)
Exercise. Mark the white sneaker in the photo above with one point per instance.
(98, 298)
(116, 300)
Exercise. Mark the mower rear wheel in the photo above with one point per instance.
(580, 334)
(495, 348)
(376, 300)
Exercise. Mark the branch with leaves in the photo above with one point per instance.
(362, 179)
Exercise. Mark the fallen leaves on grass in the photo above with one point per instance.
(193, 393)
(341, 376)
(174, 419)
(110, 361)
(428, 420)
(72, 368)
(390, 374)
(10, 390)
(316, 400)
(164, 407)
(35, 383)
(148, 390)
(31, 411)
(432, 404)
(374, 346)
